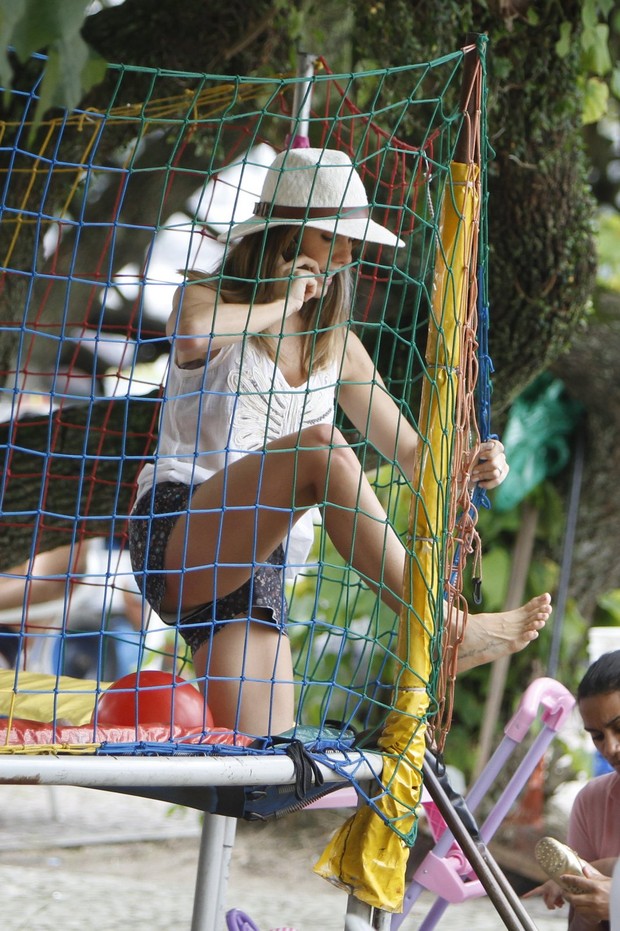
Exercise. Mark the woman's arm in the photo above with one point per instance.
(369, 406)
(606, 866)
(201, 321)
(367, 403)
(45, 578)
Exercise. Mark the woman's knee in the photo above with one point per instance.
(322, 436)
(326, 443)
(323, 451)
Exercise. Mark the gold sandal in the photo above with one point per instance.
(556, 859)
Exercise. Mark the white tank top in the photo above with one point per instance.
(231, 407)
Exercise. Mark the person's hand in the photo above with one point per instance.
(592, 905)
(299, 281)
(489, 468)
(552, 895)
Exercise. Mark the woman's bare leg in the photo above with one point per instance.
(491, 636)
(259, 494)
(249, 670)
(248, 675)
(247, 666)
(239, 517)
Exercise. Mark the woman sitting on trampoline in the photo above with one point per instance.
(262, 351)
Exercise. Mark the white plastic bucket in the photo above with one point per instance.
(602, 640)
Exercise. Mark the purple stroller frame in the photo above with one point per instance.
(446, 871)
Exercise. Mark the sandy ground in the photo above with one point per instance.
(84, 859)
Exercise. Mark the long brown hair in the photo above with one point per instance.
(247, 274)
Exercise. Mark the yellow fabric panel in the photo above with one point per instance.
(41, 697)
(373, 876)
(423, 584)
(366, 856)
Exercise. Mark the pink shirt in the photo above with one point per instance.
(594, 824)
(594, 830)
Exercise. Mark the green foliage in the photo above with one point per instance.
(598, 31)
(537, 438)
(608, 253)
(319, 28)
(607, 612)
(498, 533)
(51, 26)
(595, 99)
(339, 600)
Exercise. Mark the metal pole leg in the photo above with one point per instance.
(216, 843)
(359, 909)
(375, 917)
(507, 904)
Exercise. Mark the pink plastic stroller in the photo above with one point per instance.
(459, 866)
(464, 870)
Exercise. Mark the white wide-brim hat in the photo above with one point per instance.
(318, 188)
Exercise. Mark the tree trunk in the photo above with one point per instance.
(589, 371)
(542, 255)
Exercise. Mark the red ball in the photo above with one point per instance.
(150, 697)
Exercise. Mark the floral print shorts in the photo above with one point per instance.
(150, 525)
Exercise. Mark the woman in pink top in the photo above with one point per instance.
(594, 824)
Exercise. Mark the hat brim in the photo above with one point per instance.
(360, 228)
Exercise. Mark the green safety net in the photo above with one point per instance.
(103, 212)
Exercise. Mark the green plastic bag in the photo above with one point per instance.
(537, 438)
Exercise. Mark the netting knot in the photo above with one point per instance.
(307, 771)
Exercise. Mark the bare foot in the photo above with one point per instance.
(491, 636)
